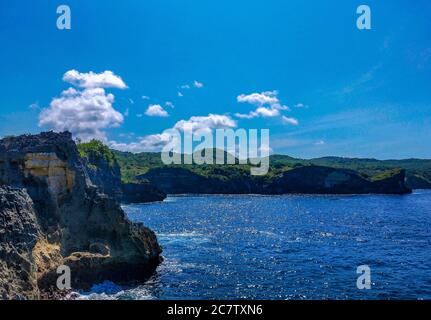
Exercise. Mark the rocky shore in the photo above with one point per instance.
(52, 213)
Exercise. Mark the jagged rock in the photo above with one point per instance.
(72, 216)
(102, 167)
(104, 172)
(19, 232)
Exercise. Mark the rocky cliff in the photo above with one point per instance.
(105, 173)
(102, 167)
(51, 214)
(305, 179)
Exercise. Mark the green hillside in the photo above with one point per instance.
(418, 171)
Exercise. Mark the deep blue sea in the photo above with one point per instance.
(286, 247)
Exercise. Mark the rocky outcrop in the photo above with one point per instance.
(105, 173)
(141, 193)
(19, 232)
(68, 219)
(102, 168)
(305, 179)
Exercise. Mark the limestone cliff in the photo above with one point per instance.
(69, 219)
(104, 172)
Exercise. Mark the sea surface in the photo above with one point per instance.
(285, 247)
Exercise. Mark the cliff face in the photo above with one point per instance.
(324, 180)
(102, 167)
(105, 173)
(105, 176)
(306, 180)
(77, 225)
(19, 232)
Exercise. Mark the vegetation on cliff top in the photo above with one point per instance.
(133, 165)
(98, 150)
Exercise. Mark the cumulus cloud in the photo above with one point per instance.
(156, 110)
(84, 113)
(206, 123)
(259, 99)
(267, 103)
(106, 79)
(156, 142)
(88, 111)
(260, 112)
(150, 143)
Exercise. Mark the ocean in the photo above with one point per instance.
(285, 247)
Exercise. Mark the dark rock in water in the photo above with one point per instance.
(305, 179)
(77, 225)
(141, 193)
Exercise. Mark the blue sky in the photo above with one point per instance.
(353, 93)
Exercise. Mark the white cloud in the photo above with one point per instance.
(150, 143)
(180, 94)
(267, 103)
(300, 105)
(260, 112)
(156, 110)
(259, 99)
(206, 123)
(126, 113)
(289, 120)
(145, 97)
(169, 104)
(106, 79)
(84, 113)
(156, 142)
(198, 84)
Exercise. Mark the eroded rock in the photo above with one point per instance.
(72, 221)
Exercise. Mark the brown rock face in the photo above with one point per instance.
(77, 225)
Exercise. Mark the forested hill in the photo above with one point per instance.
(418, 171)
